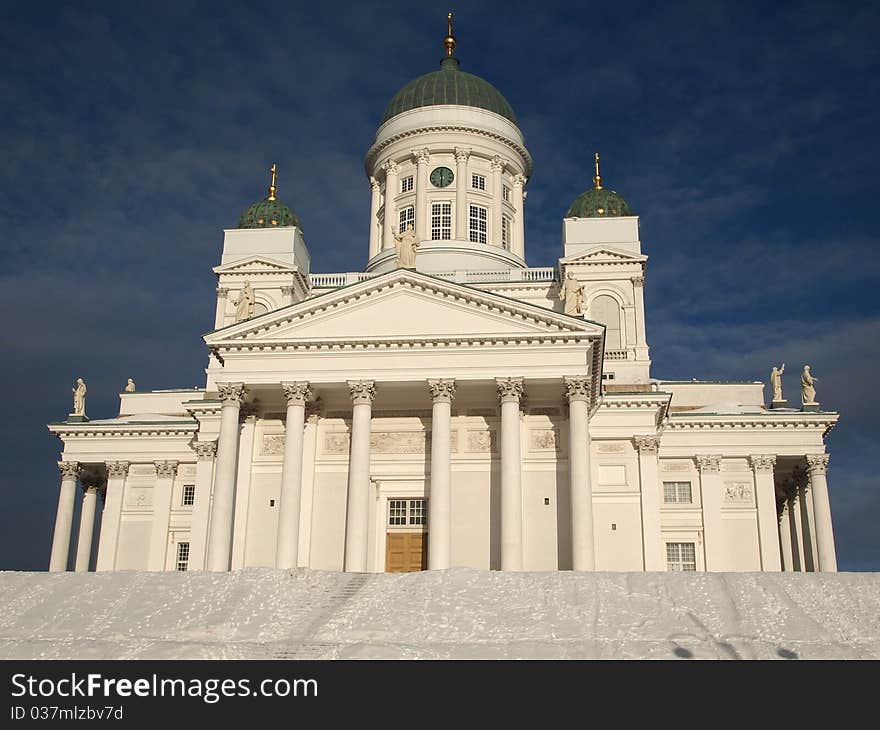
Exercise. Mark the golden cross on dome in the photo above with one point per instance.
(449, 40)
(272, 188)
(597, 181)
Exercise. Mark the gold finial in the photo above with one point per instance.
(449, 40)
(272, 188)
(597, 181)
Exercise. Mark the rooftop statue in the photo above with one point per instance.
(244, 305)
(79, 398)
(406, 244)
(573, 293)
(776, 382)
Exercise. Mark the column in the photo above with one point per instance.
(440, 504)
(710, 492)
(649, 478)
(108, 538)
(243, 480)
(497, 166)
(162, 493)
(518, 245)
(220, 314)
(206, 451)
(794, 529)
(510, 391)
(220, 540)
(768, 524)
(390, 168)
(287, 545)
(785, 536)
(461, 188)
(808, 536)
(310, 445)
(422, 159)
(578, 392)
(375, 192)
(64, 516)
(638, 283)
(86, 528)
(357, 512)
(818, 464)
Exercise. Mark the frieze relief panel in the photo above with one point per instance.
(479, 442)
(734, 465)
(335, 443)
(675, 466)
(138, 497)
(143, 470)
(610, 448)
(738, 493)
(544, 439)
(400, 442)
(187, 470)
(272, 444)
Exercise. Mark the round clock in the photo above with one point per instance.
(441, 177)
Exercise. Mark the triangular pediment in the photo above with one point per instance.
(404, 304)
(604, 254)
(254, 265)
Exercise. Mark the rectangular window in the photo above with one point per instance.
(406, 219)
(478, 182)
(189, 495)
(477, 224)
(677, 493)
(406, 512)
(182, 556)
(505, 193)
(505, 232)
(681, 556)
(406, 184)
(441, 221)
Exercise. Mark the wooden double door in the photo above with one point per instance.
(406, 552)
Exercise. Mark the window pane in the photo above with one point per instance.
(406, 184)
(441, 221)
(477, 224)
(182, 556)
(189, 495)
(406, 218)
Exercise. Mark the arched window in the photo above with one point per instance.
(260, 308)
(605, 309)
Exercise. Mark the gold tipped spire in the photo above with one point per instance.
(597, 181)
(449, 40)
(272, 188)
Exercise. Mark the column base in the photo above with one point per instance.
(811, 408)
(778, 404)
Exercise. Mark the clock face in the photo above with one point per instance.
(441, 177)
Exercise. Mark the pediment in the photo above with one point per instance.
(604, 254)
(254, 265)
(408, 305)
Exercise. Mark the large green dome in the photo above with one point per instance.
(268, 214)
(597, 203)
(449, 85)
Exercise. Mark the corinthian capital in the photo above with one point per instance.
(497, 163)
(647, 444)
(117, 469)
(205, 450)
(166, 469)
(69, 469)
(578, 388)
(762, 462)
(638, 281)
(509, 389)
(442, 391)
(518, 180)
(231, 394)
(708, 463)
(362, 391)
(818, 463)
(222, 292)
(421, 157)
(390, 167)
(297, 393)
(462, 154)
(375, 185)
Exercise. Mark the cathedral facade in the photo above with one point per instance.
(447, 405)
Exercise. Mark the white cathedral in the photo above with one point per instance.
(448, 405)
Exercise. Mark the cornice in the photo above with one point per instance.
(71, 431)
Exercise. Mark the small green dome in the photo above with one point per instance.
(598, 203)
(268, 214)
(449, 85)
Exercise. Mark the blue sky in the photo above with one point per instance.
(743, 134)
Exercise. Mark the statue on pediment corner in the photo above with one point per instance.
(405, 244)
(79, 398)
(572, 293)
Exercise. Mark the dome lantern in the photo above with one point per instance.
(269, 212)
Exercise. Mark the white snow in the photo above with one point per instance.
(459, 613)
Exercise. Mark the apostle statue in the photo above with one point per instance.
(129, 387)
(405, 244)
(244, 305)
(776, 383)
(808, 392)
(79, 398)
(573, 294)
